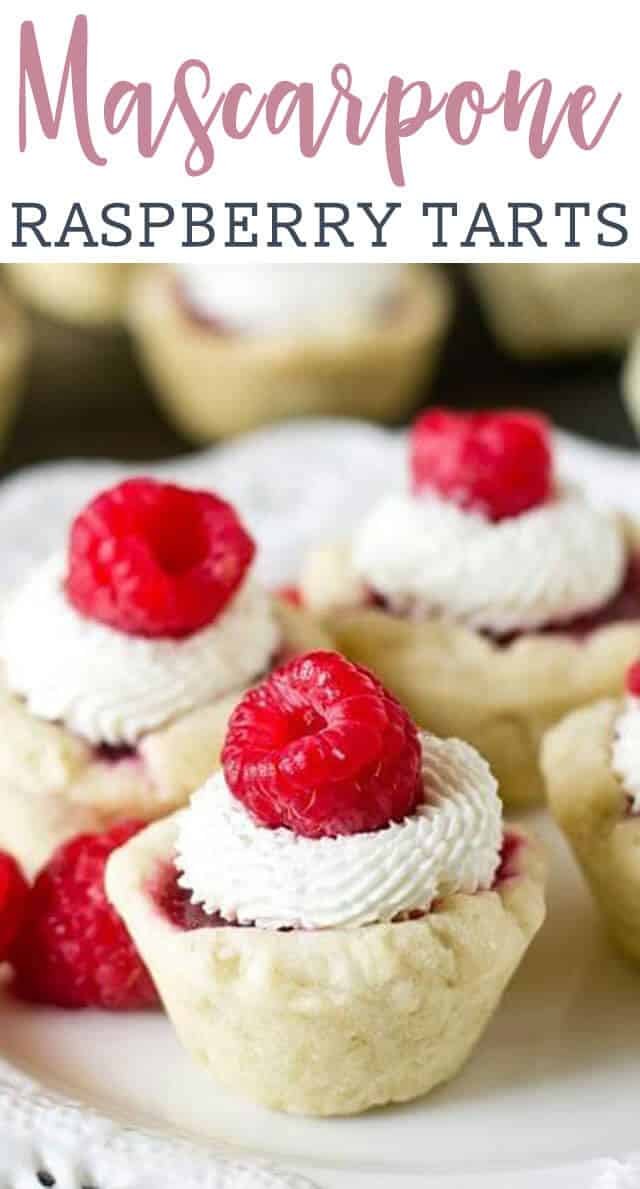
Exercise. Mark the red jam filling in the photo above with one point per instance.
(107, 753)
(174, 903)
(624, 607)
(199, 318)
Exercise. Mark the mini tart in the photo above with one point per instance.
(631, 381)
(14, 345)
(538, 310)
(55, 785)
(501, 697)
(589, 804)
(257, 380)
(337, 1021)
(89, 295)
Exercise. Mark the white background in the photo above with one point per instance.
(443, 43)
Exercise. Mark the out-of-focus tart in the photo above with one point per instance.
(14, 350)
(121, 660)
(86, 295)
(489, 596)
(538, 310)
(333, 920)
(231, 347)
(591, 763)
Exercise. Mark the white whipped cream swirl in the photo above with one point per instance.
(112, 688)
(292, 299)
(626, 751)
(277, 879)
(426, 555)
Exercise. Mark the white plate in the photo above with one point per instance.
(549, 1098)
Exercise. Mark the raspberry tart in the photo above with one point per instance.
(92, 296)
(489, 596)
(333, 920)
(121, 659)
(14, 350)
(286, 340)
(591, 763)
(546, 310)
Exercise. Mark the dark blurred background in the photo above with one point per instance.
(118, 417)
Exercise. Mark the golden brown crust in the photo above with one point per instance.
(53, 786)
(338, 1021)
(258, 380)
(83, 294)
(590, 806)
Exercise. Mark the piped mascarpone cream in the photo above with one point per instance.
(277, 879)
(292, 299)
(626, 751)
(112, 688)
(427, 556)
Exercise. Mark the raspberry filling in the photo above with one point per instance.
(174, 903)
(321, 748)
(112, 754)
(624, 607)
(200, 319)
(153, 559)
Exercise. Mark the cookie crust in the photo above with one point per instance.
(589, 804)
(213, 385)
(338, 1021)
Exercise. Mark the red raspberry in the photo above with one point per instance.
(498, 463)
(321, 748)
(74, 950)
(633, 679)
(14, 892)
(152, 559)
(291, 595)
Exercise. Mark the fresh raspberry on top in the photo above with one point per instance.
(73, 950)
(497, 463)
(153, 559)
(633, 679)
(14, 892)
(321, 748)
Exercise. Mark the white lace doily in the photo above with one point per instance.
(295, 485)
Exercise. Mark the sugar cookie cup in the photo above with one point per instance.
(325, 973)
(14, 351)
(540, 310)
(213, 384)
(591, 806)
(332, 1023)
(92, 296)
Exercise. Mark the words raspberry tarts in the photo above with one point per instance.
(332, 921)
(229, 348)
(489, 596)
(591, 762)
(121, 659)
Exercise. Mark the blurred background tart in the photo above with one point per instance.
(538, 310)
(228, 348)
